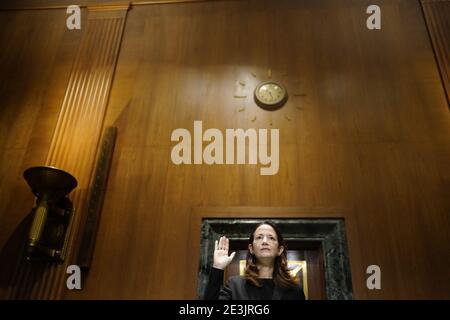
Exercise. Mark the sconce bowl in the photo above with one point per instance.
(49, 181)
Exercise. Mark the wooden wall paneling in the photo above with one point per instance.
(74, 144)
(351, 144)
(370, 134)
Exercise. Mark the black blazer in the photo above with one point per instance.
(238, 288)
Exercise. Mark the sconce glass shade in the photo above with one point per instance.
(49, 181)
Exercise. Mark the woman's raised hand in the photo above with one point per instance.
(221, 258)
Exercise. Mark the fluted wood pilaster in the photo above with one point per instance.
(76, 137)
(437, 16)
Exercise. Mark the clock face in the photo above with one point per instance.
(270, 95)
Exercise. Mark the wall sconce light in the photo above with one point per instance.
(49, 233)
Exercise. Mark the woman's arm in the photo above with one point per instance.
(214, 290)
(221, 261)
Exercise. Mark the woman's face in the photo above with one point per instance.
(265, 243)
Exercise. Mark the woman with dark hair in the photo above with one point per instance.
(266, 276)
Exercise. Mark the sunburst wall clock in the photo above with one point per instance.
(268, 94)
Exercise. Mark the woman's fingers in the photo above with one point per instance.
(221, 243)
(232, 255)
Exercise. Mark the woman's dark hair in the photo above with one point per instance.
(281, 275)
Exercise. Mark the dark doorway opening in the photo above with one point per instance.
(321, 242)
